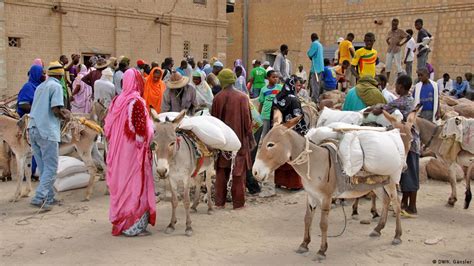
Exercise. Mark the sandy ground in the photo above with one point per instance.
(264, 233)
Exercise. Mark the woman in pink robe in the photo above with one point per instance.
(82, 93)
(129, 132)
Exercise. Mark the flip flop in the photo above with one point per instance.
(405, 214)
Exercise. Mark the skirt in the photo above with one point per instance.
(410, 181)
(139, 226)
(286, 176)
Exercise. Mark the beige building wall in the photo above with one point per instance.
(272, 23)
(111, 27)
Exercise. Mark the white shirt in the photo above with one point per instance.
(118, 81)
(442, 87)
(388, 95)
(302, 75)
(412, 45)
(104, 90)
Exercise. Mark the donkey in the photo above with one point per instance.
(314, 164)
(175, 160)
(83, 141)
(430, 137)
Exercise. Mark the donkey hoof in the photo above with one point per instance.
(396, 241)
(451, 201)
(375, 215)
(169, 230)
(374, 234)
(14, 199)
(194, 210)
(85, 200)
(355, 217)
(210, 212)
(188, 232)
(319, 256)
(302, 249)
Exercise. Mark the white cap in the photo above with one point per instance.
(340, 39)
(253, 61)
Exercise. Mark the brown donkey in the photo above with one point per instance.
(451, 152)
(314, 164)
(176, 161)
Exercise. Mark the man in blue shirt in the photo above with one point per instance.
(329, 76)
(459, 87)
(44, 130)
(315, 54)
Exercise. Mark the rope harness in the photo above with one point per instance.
(303, 157)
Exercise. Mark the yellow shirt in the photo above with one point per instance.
(365, 60)
(344, 51)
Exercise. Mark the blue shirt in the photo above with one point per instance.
(460, 89)
(427, 96)
(329, 77)
(181, 71)
(48, 94)
(315, 53)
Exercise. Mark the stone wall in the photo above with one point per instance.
(292, 22)
(3, 44)
(110, 27)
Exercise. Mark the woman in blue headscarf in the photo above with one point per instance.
(27, 92)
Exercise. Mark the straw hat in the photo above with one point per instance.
(177, 81)
(102, 63)
(55, 69)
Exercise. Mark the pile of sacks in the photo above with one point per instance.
(370, 149)
(72, 174)
(210, 130)
(329, 116)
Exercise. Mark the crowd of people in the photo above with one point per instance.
(130, 92)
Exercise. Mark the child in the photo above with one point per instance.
(426, 93)
(257, 79)
(365, 58)
(388, 95)
(266, 100)
(459, 88)
(240, 82)
(329, 76)
(410, 182)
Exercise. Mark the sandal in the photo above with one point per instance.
(405, 214)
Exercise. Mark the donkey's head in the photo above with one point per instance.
(276, 149)
(165, 142)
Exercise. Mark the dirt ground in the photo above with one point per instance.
(264, 233)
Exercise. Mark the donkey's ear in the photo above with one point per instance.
(179, 118)
(277, 117)
(292, 122)
(154, 115)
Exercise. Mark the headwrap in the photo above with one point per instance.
(38, 62)
(289, 105)
(55, 69)
(289, 88)
(153, 93)
(204, 94)
(239, 63)
(125, 60)
(368, 92)
(27, 92)
(226, 77)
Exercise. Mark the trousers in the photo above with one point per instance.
(237, 189)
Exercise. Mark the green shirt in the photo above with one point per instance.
(258, 74)
(267, 94)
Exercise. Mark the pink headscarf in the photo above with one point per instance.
(38, 62)
(129, 168)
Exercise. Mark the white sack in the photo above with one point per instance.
(381, 120)
(202, 112)
(319, 134)
(206, 131)
(232, 142)
(384, 153)
(74, 181)
(350, 152)
(329, 116)
(68, 166)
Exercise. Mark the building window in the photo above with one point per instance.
(186, 49)
(205, 51)
(201, 2)
(14, 42)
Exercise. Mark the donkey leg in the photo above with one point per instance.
(20, 173)
(186, 201)
(87, 159)
(174, 204)
(323, 225)
(392, 191)
(467, 178)
(373, 209)
(27, 173)
(355, 207)
(197, 192)
(210, 204)
(308, 221)
(452, 181)
(383, 219)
